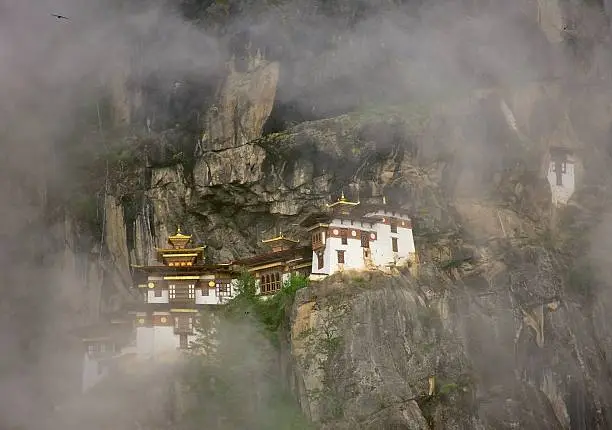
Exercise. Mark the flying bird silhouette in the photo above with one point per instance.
(58, 16)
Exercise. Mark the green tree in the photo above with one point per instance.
(233, 373)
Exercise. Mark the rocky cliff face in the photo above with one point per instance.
(505, 324)
(494, 332)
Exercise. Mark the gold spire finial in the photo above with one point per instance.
(179, 240)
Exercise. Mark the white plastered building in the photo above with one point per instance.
(102, 344)
(561, 175)
(355, 236)
(174, 293)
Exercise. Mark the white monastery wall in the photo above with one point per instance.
(152, 299)
(93, 372)
(381, 248)
(562, 193)
(200, 297)
(164, 339)
(144, 340)
(203, 299)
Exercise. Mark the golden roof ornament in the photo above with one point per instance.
(342, 202)
(179, 240)
(280, 237)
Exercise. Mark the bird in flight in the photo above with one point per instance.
(58, 16)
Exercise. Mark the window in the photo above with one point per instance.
(340, 257)
(191, 291)
(317, 238)
(393, 226)
(158, 291)
(365, 239)
(320, 261)
(224, 288)
(183, 324)
(394, 244)
(171, 291)
(271, 283)
(344, 236)
(183, 342)
(205, 290)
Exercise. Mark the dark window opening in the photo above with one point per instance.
(184, 344)
(183, 325)
(270, 283)
(157, 291)
(223, 288)
(320, 260)
(317, 238)
(340, 257)
(394, 244)
(365, 240)
(344, 236)
(393, 226)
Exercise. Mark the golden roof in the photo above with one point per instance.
(179, 240)
(342, 202)
(280, 237)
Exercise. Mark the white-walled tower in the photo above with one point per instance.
(355, 236)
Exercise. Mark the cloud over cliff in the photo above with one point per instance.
(335, 57)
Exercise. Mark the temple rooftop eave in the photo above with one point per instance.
(279, 239)
(300, 252)
(225, 267)
(178, 250)
(169, 307)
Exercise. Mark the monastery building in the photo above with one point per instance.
(354, 236)
(174, 292)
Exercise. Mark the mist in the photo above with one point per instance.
(332, 62)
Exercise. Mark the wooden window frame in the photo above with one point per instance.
(320, 260)
(183, 324)
(344, 236)
(223, 288)
(171, 291)
(365, 240)
(393, 224)
(270, 283)
(340, 253)
(183, 341)
(394, 244)
(158, 291)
